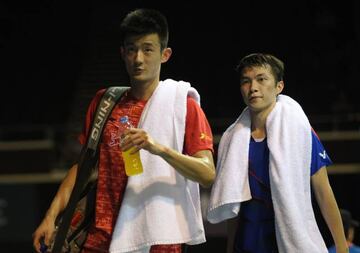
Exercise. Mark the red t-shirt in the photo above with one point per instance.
(112, 179)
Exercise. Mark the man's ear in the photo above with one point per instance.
(280, 87)
(166, 54)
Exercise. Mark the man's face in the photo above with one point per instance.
(259, 88)
(143, 57)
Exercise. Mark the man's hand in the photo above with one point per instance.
(44, 232)
(137, 139)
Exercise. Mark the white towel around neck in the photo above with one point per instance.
(160, 206)
(289, 142)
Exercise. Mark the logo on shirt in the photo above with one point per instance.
(114, 139)
(323, 154)
(204, 136)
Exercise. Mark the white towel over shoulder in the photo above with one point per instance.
(160, 206)
(289, 142)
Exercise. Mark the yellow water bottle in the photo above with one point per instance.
(132, 162)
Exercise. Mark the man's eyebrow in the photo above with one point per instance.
(261, 74)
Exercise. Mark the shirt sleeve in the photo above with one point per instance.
(89, 116)
(198, 135)
(319, 156)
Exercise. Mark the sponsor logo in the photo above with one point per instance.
(323, 154)
(204, 136)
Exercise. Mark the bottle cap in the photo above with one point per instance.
(124, 119)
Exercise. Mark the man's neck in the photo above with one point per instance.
(258, 122)
(258, 125)
(143, 90)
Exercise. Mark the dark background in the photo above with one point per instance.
(54, 55)
(45, 46)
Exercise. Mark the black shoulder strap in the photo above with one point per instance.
(87, 161)
(104, 108)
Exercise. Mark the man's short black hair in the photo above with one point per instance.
(262, 60)
(143, 22)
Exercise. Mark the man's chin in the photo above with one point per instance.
(255, 108)
(139, 80)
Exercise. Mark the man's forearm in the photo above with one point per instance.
(199, 167)
(329, 208)
(63, 194)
